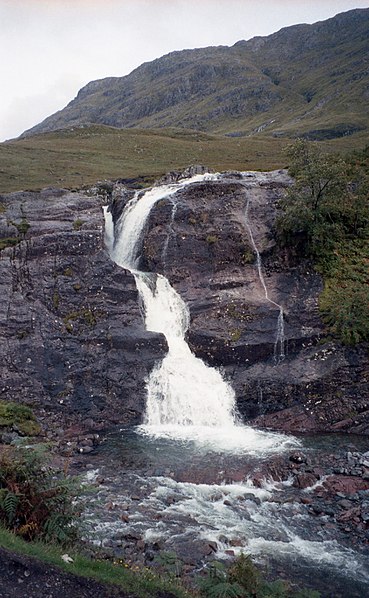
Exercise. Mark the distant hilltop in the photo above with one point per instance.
(305, 80)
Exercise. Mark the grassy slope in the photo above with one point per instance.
(81, 156)
(140, 584)
(301, 79)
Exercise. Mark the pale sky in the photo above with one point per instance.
(49, 49)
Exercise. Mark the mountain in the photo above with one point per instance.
(309, 80)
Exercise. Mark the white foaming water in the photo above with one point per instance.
(188, 401)
(239, 516)
(169, 236)
(279, 353)
(185, 398)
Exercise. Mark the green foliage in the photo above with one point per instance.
(326, 218)
(77, 224)
(141, 583)
(243, 580)
(311, 203)
(169, 562)
(218, 585)
(244, 572)
(235, 335)
(18, 417)
(56, 299)
(344, 306)
(84, 316)
(9, 242)
(34, 502)
(248, 256)
(22, 226)
(211, 239)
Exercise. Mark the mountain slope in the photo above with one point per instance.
(305, 79)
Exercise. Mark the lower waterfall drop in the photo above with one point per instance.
(186, 399)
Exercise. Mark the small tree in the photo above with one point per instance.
(313, 203)
(326, 218)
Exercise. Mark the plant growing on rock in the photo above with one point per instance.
(19, 418)
(243, 580)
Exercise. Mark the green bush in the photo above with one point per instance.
(243, 580)
(326, 218)
(77, 224)
(34, 503)
(18, 417)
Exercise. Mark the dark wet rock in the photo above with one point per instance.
(304, 480)
(348, 485)
(72, 339)
(72, 344)
(199, 239)
(298, 458)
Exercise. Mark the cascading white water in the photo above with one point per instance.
(169, 236)
(185, 398)
(279, 353)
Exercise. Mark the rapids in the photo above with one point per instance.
(192, 474)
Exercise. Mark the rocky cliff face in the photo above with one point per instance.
(72, 337)
(200, 240)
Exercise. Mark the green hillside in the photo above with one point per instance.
(226, 107)
(305, 80)
(82, 155)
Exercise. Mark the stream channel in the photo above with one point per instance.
(192, 478)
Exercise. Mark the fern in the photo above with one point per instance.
(34, 501)
(9, 503)
(222, 589)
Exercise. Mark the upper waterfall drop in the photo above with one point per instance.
(185, 397)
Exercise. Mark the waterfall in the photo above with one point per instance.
(170, 234)
(185, 398)
(279, 353)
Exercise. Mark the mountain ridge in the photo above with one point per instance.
(309, 80)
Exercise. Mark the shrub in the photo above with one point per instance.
(77, 224)
(243, 580)
(19, 417)
(217, 584)
(326, 218)
(244, 572)
(34, 502)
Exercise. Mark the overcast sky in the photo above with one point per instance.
(49, 49)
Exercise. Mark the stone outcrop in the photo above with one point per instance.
(73, 342)
(200, 241)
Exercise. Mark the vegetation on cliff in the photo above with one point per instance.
(326, 218)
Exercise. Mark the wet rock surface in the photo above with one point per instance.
(72, 339)
(73, 342)
(309, 500)
(200, 239)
